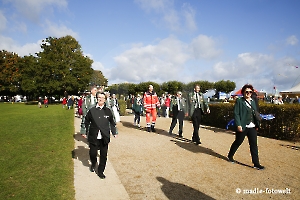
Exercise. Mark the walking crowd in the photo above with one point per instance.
(100, 115)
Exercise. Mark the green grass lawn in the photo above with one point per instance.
(35, 152)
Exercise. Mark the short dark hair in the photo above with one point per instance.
(100, 93)
(247, 86)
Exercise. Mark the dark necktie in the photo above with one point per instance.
(197, 101)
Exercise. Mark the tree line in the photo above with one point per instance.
(61, 66)
(171, 87)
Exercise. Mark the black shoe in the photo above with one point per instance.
(170, 133)
(198, 142)
(92, 168)
(180, 135)
(230, 159)
(148, 129)
(153, 129)
(259, 167)
(101, 175)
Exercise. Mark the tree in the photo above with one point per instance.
(10, 75)
(98, 79)
(30, 75)
(172, 87)
(64, 66)
(204, 86)
(144, 86)
(224, 86)
(113, 89)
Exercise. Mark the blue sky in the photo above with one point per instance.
(245, 41)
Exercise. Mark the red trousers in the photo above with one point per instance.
(151, 112)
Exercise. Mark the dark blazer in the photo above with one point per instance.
(102, 120)
(174, 106)
(240, 112)
(193, 101)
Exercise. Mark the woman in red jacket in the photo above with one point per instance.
(167, 104)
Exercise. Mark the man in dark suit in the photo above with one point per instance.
(178, 107)
(198, 106)
(100, 121)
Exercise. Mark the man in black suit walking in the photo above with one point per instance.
(178, 107)
(100, 121)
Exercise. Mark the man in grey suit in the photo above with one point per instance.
(198, 106)
(88, 102)
(178, 108)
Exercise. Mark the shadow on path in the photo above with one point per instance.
(79, 138)
(180, 191)
(158, 130)
(81, 154)
(198, 149)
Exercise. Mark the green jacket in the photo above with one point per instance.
(241, 112)
(182, 104)
(193, 100)
(87, 104)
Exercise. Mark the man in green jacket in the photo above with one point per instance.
(198, 106)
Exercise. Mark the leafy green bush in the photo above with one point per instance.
(285, 126)
(122, 105)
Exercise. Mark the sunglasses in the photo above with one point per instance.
(248, 92)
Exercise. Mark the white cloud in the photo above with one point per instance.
(156, 5)
(261, 70)
(99, 66)
(32, 9)
(204, 47)
(176, 20)
(159, 62)
(60, 30)
(189, 16)
(292, 40)
(10, 45)
(3, 21)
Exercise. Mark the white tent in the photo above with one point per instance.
(294, 90)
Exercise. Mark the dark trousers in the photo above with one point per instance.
(137, 117)
(196, 119)
(103, 154)
(179, 115)
(252, 139)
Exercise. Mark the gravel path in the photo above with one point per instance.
(157, 166)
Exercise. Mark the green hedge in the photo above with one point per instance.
(122, 105)
(285, 126)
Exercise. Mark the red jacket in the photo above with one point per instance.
(151, 101)
(64, 102)
(167, 102)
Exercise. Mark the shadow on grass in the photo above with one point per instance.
(180, 191)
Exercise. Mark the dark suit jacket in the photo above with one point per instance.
(193, 101)
(240, 112)
(102, 120)
(174, 106)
